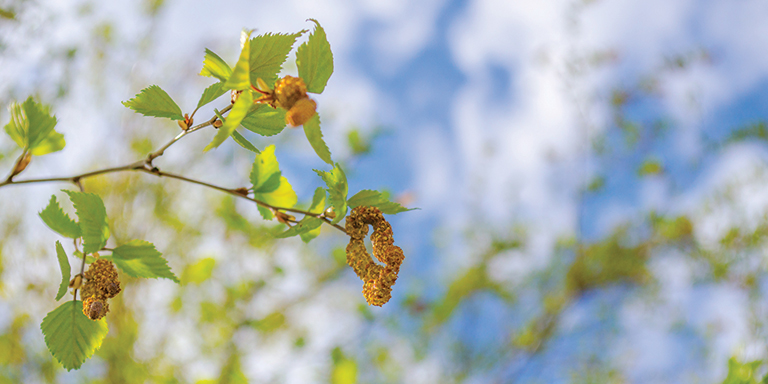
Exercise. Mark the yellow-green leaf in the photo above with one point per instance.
(264, 120)
(315, 137)
(55, 218)
(265, 172)
(214, 66)
(139, 258)
(154, 101)
(66, 271)
(268, 53)
(315, 60)
(240, 79)
(92, 219)
(282, 197)
(72, 337)
(235, 116)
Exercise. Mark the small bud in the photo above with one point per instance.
(182, 124)
(217, 124)
(284, 217)
(241, 191)
(76, 281)
(21, 164)
(330, 213)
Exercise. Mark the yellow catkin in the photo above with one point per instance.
(102, 283)
(377, 280)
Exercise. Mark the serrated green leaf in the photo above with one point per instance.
(214, 66)
(282, 197)
(307, 224)
(53, 143)
(235, 116)
(154, 101)
(244, 142)
(213, 92)
(139, 258)
(240, 79)
(265, 172)
(32, 127)
(268, 53)
(92, 219)
(315, 60)
(317, 206)
(376, 199)
(264, 120)
(315, 137)
(336, 181)
(72, 337)
(55, 218)
(66, 271)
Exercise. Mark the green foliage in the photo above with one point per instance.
(239, 139)
(650, 167)
(315, 60)
(235, 116)
(268, 183)
(336, 181)
(751, 131)
(306, 225)
(154, 101)
(317, 207)
(65, 271)
(264, 120)
(268, 53)
(32, 128)
(198, 272)
(315, 137)
(213, 92)
(376, 199)
(214, 66)
(744, 373)
(239, 79)
(55, 218)
(72, 337)
(344, 369)
(139, 258)
(92, 219)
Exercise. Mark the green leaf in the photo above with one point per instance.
(139, 258)
(315, 137)
(198, 272)
(211, 93)
(239, 79)
(376, 199)
(92, 218)
(265, 172)
(282, 197)
(307, 224)
(315, 60)
(650, 167)
(264, 120)
(244, 142)
(317, 206)
(66, 271)
(54, 142)
(72, 337)
(268, 53)
(214, 66)
(153, 101)
(32, 127)
(336, 181)
(55, 218)
(235, 116)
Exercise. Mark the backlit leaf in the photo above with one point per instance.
(139, 258)
(264, 120)
(265, 172)
(315, 60)
(55, 218)
(72, 337)
(240, 79)
(317, 206)
(376, 199)
(282, 197)
(66, 271)
(235, 116)
(211, 93)
(315, 137)
(214, 66)
(92, 219)
(307, 224)
(337, 189)
(32, 127)
(154, 101)
(268, 53)
(244, 142)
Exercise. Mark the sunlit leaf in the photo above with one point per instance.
(55, 218)
(92, 219)
(32, 127)
(213, 92)
(315, 137)
(268, 53)
(282, 197)
(244, 142)
(337, 189)
(308, 223)
(139, 258)
(317, 206)
(264, 120)
(198, 272)
(235, 116)
(315, 60)
(239, 79)
(66, 271)
(214, 66)
(376, 199)
(265, 172)
(154, 101)
(72, 337)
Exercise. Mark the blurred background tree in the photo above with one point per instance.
(591, 174)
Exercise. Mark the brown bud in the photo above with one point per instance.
(21, 164)
(330, 213)
(217, 124)
(182, 124)
(76, 281)
(241, 191)
(284, 217)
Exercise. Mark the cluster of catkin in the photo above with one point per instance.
(101, 284)
(377, 280)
